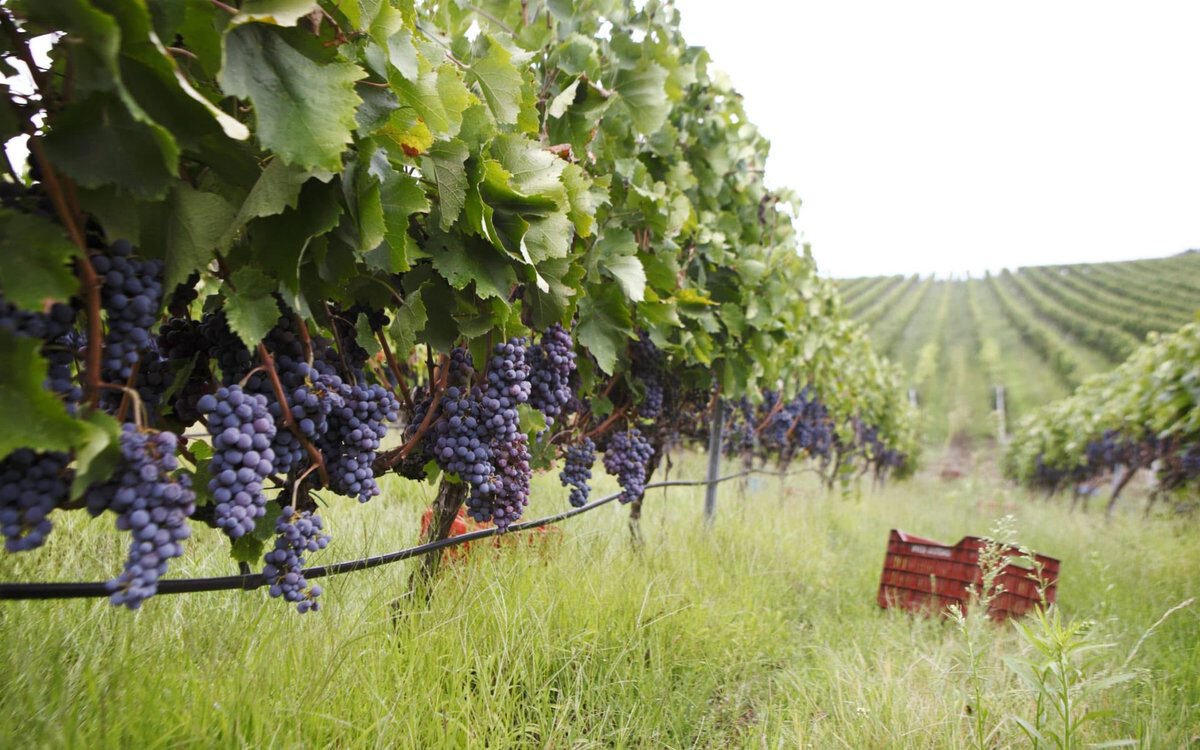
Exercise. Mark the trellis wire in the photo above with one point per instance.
(251, 581)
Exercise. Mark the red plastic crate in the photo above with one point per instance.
(921, 575)
(541, 537)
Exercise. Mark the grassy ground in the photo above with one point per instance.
(761, 632)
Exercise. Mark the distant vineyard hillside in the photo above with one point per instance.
(1037, 332)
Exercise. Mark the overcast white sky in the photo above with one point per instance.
(960, 136)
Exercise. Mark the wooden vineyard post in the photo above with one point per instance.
(714, 460)
(1001, 414)
(450, 498)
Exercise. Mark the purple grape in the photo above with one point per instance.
(551, 362)
(296, 533)
(131, 295)
(460, 444)
(577, 470)
(509, 485)
(242, 431)
(153, 502)
(351, 444)
(627, 458)
(647, 364)
(503, 497)
(31, 485)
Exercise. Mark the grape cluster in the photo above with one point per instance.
(314, 399)
(183, 295)
(352, 442)
(627, 457)
(151, 504)
(577, 470)
(131, 296)
(312, 392)
(647, 364)
(297, 533)
(346, 327)
(462, 367)
(1190, 462)
(740, 433)
(505, 493)
(55, 329)
(509, 485)
(507, 387)
(460, 444)
(652, 404)
(183, 344)
(47, 326)
(154, 377)
(60, 357)
(551, 362)
(31, 485)
(233, 358)
(242, 431)
(800, 424)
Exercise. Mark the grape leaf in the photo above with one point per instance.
(201, 475)
(583, 203)
(365, 336)
(438, 95)
(531, 169)
(466, 260)
(35, 260)
(360, 189)
(401, 53)
(532, 421)
(188, 227)
(251, 309)
(630, 275)
(247, 548)
(277, 189)
(281, 243)
(559, 104)
(97, 453)
(444, 165)
(304, 110)
(400, 197)
(408, 321)
(278, 12)
(499, 81)
(30, 416)
(131, 154)
(643, 90)
(548, 237)
(131, 150)
(604, 325)
(552, 305)
(406, 129)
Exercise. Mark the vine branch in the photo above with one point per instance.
(268, 363)
(438, 385)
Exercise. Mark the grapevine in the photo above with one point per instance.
(290, 280)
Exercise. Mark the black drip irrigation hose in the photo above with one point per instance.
(251, 581)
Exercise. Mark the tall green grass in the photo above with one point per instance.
(759, 632)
